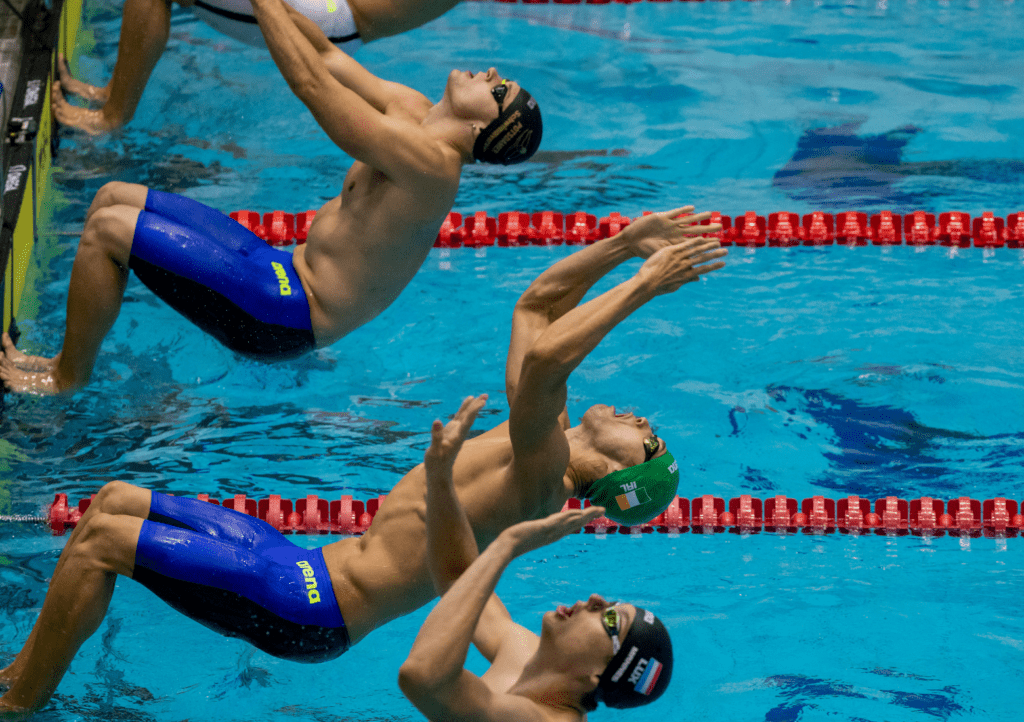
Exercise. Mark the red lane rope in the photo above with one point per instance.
(585, 2)
(553, 228)
(705, 514)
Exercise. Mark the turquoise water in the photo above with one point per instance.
(828, 371)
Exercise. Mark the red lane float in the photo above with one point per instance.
(583, 2)
(706, 514)
(750, 229)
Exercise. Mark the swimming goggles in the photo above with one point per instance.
(499, 92)
(651, 446)
(612, 622)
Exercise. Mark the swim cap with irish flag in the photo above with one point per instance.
(637, 494)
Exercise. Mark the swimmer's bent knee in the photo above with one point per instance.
(119, 193)
(119, 497)
(107, 543)
(111, 229)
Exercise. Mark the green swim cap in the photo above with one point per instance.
(638, 494)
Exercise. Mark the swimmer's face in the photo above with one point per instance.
(621, 435)
(580, 636)
(476, 95)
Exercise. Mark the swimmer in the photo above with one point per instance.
(146, 26)
(240, 577)
(362, 249)
(594, 651)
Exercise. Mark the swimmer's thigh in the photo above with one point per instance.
(216, 521)
(203, 219)
(263, 598)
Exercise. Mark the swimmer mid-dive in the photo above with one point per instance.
(238, 575)
(146, 26)
(593, 651)
(362, 249)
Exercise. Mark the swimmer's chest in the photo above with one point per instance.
(368, 187)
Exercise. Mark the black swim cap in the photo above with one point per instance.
(514, 135)
(641, 670)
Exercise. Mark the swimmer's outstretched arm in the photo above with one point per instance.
(537, 414)
(552, 334)
(434, 677)
(451, 545)
(560, 288)
(377, 92)
(400, 150)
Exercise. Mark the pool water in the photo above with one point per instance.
(804, 371)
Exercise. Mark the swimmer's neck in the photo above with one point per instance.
(549, 686)
(448, 128)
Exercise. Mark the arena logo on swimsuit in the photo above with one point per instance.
(282, 278)
(311, 591)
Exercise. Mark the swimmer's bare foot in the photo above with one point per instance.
(10, 712)
(25, 363)
(43, 383)
(77, 87)
(91, 121)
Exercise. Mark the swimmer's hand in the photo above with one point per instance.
(685, 262)
(446, 440)
(649, 234)
(529, 535)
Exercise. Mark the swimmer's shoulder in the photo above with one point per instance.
(409, 104)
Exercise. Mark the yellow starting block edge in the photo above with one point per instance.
(26, 191)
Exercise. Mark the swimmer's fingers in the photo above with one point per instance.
(682, 211)
(462, 422)
(674, 266)
(696, 225)
(649, 233)
(707, 260)
(446, 439)
(702, 264)
(700, 244)
(690, 230)
(530, 535)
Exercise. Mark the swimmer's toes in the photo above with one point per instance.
(70, 84)
(26, 382)
(62, 67)
(24, 361)
(71, 116)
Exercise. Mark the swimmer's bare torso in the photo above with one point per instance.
(384, 574)
(365, 245)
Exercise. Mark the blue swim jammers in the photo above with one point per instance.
(222, 277)
(239, 576)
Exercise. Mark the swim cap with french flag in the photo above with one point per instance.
(637, 494)
(641, 670)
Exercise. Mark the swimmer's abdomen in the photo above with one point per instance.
(235, 19)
